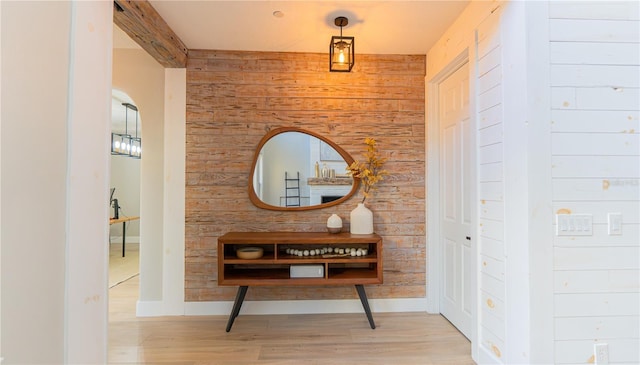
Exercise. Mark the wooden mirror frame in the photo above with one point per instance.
(260, 204)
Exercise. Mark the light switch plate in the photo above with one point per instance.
(615, 224)
(574, 224)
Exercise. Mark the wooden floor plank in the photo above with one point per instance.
(313, 339)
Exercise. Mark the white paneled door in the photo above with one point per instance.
(456, 204)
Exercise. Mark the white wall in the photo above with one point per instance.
(595, 151)
(285, 152)
(142, 78)
(125, 177)
(492, 187)
(557, 111)
(42, 186)
(175, 96)
(55, 122)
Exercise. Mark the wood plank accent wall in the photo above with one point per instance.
(234, 98)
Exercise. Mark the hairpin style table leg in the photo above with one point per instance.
(365, 304)
(242, 291)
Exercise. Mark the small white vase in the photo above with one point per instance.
(334, 223)
(361, 220)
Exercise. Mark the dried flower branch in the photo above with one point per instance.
(370, 171)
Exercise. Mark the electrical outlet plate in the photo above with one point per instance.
(574, 224)
(601, 352)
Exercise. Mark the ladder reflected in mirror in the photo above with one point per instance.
(292, 190)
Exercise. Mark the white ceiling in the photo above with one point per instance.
(379, 27)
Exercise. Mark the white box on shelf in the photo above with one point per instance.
(306, 271)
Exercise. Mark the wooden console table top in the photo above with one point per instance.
(297, 237)
(122, 219)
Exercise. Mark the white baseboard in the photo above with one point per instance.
(130, 239)
(158, 308)
(154, 308)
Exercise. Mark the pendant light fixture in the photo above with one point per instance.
(124, 144)
(341, 49)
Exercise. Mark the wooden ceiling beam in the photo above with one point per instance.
(147, 28)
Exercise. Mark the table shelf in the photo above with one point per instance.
(274, 267)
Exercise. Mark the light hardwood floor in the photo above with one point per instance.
(123, 268)
(335, 339)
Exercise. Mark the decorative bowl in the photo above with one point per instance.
(249, 253)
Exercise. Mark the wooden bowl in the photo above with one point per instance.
(250, 253)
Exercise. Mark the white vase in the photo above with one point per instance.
(361, 220)
(334, 223)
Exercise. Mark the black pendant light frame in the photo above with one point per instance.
(120, 140)
(344, 44)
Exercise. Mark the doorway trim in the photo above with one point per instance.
(434, 249)
(434, 242)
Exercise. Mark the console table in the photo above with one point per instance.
(274, 267)
(124, 221)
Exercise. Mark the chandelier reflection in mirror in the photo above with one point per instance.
(125, 144)
(341, 49)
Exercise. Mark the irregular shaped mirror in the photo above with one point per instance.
(295, 169)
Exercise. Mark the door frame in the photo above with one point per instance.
(434, 235)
